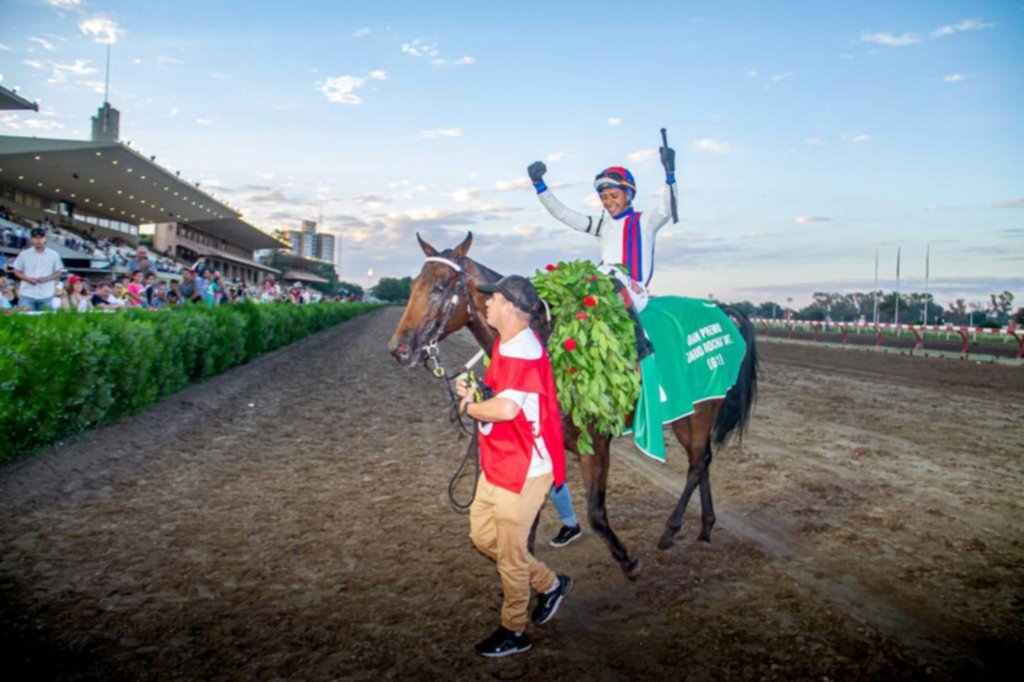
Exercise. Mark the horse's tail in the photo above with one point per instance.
(739, 402)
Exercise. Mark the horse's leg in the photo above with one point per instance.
(693, 433)
(707, 507)
(595, 475)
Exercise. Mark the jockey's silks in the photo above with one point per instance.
(506, 449)
(632, 246)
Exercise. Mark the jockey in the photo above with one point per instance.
(627, 236)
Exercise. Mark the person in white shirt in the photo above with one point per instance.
(38, 268)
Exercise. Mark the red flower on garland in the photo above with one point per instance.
(590, 301)
(572, 370)
(570, 344)
(550, 268)
(581, 315)
(593, 278)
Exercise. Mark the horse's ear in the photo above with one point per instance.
(462, 249)
(427, 248)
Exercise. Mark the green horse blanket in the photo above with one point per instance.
(697, 356)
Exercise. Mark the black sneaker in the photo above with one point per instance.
(504, 642)
(548, 603)
(566, 535)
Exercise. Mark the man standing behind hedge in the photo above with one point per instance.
(38, 268)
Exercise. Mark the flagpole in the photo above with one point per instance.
(874, 293)
(897, 315)
(927, 257)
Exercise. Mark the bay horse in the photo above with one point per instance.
(444, 298)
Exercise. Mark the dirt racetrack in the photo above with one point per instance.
(288, 519)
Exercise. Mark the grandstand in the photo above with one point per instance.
(98, 193)
(10, 100)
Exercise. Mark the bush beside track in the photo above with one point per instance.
(63, 373)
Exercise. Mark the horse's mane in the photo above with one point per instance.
(539, 323)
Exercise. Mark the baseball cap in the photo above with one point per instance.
(516, 289)
(38, 232)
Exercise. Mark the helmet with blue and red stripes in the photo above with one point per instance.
(616, 176)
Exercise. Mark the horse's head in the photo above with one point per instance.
(437, 305)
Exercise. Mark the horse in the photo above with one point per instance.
(445, 298)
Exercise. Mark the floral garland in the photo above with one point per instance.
(591, 348)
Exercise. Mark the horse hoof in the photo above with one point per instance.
(666, 542)
(635, 568)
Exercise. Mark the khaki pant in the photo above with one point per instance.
(499, 526)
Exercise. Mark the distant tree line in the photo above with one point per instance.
(836, 307)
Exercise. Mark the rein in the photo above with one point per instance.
(434, 365)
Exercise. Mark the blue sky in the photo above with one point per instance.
(808, 135)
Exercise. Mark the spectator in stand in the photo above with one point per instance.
(148, 282)
(221, 295)
(77, 295)
(140, 255)
(189, 289)
(38, 268)
(200, 267)
(135, 296)
(104, 298)
(159, 296)
(6, 292)
(174, 290)
(210, 293)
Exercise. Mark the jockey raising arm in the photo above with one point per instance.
(627, 236)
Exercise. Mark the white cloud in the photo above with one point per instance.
(440, 132)
(13, 122)
(957, 77)
(342, 89)
(706, 144)
(779, 77)
(805, 219)
(461, 61)
(935, 208)
(173, 111)
(554, 157)
(751, 73)
(859, 137)
(815, 142)
(103, 30)
(5, 48)
(34, 63)
(613, 121)
(890, 40)
(66, 4)
(420, 48)
(79, 67)
(99, 87)
(362, 32)
(204, 121)
(44, 43)
(975, 24)
(507, 185)
(846, 55)
(642, 155)
(168, 60)
(464, 194)
(1009, 203)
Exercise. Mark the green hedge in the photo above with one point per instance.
(66, 372)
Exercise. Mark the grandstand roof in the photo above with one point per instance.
(12, 100)
(237, 231)
(296, 275)
(105, 178)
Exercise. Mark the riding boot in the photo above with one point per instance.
(644, 347)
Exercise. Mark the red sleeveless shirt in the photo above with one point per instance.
(505, 451)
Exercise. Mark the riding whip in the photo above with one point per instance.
(675, 213)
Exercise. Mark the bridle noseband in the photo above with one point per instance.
(431, 348)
